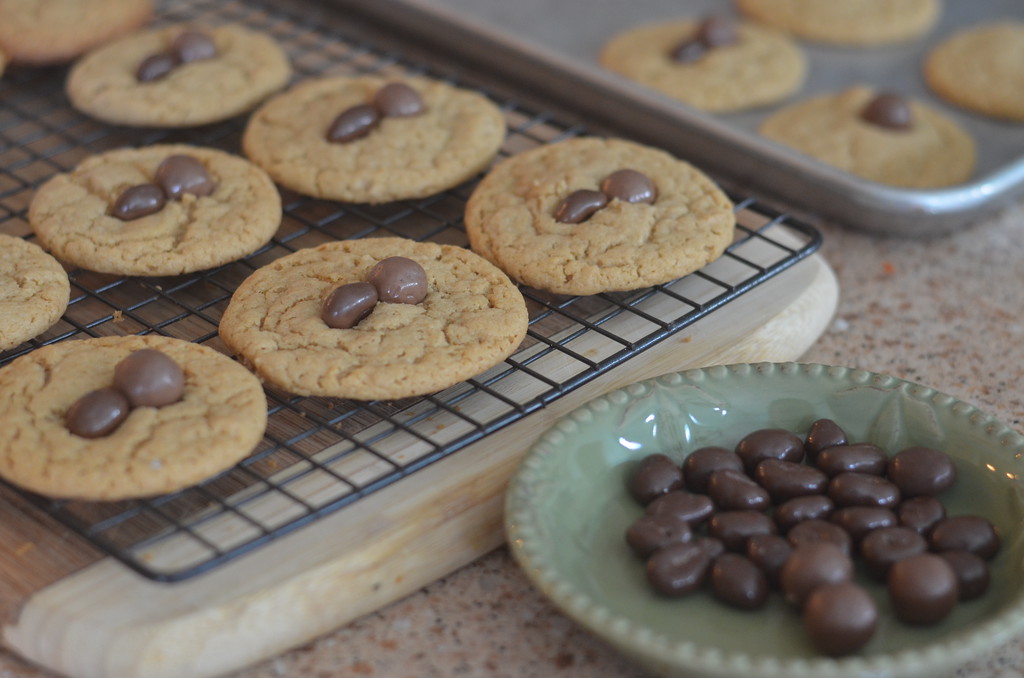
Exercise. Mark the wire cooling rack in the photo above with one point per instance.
(320, 454)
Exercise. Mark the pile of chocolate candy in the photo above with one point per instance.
(800, 515)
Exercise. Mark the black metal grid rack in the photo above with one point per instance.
(321, 454)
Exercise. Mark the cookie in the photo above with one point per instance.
(932, 152)
(756, 67)
(471, 319)
(511, 218)
(73, 213)
(43, 32)
(34, 291)
(196, 86)
(218, 421)
(981, 69)
(453, 136)
(861, 23)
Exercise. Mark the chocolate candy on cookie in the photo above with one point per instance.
(69, 437)
(540, 217)
(368, 139)
(178, 76)
(393, 100)
(156, 210)
(714, 64)
(471, 319)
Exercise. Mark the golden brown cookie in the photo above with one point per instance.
(763, 66)
(934, 152)
(510, 219)
(472, 318)
(219, 420)
(34, 291)
(847, 22)
(982, 69)
(248, 66)
(72, 214)
(40, 32)
(456, 135)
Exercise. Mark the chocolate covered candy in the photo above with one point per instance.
(813, 531)
(734, 528)
(353, 123)
(796, 510)
(399, 280)
(966, 533)
(882, 547)
(855, 458)
(678, 569)
(921, 471)
(888, 111)
(398, 100)
(702, 462)
(737, 581)
(840, 618)
(733, 491)
(347, 304)
(138, 201)
(580, 205)
(920, 513)
(822, 434)
(693, 508)
(629, 186)
(922, 589)
(788, 479)
(863, 489)
(812, 565)
(972, 573)
(653, 476)
(769, 443)
(649, 533)
(97, 413)
(149, 378)
(180, 174)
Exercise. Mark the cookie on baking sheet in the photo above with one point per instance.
(918, 147)
(982, 69)
(513, 217)
(42, 32)
(471, 319)
(34, 291)
(219, 419)
(230, 211)
(430, 136)
(179, 76)
(715, 64)
(862, 23)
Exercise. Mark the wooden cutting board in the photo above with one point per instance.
(85, 615)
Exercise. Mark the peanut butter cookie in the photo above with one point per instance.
(367, 139)
(158, 210)
(34, 291)
(561, 218)
(180, 76)
(470, 317)
(42, 32)
(887, 139)
(981, 69)
(218, 419)
(847, 22)
(714, 65)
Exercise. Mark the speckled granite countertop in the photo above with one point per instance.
(948, 313)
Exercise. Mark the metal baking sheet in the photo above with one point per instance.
(554, 47)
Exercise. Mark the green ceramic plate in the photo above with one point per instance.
(567, 511)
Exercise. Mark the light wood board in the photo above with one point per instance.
(83, 615)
